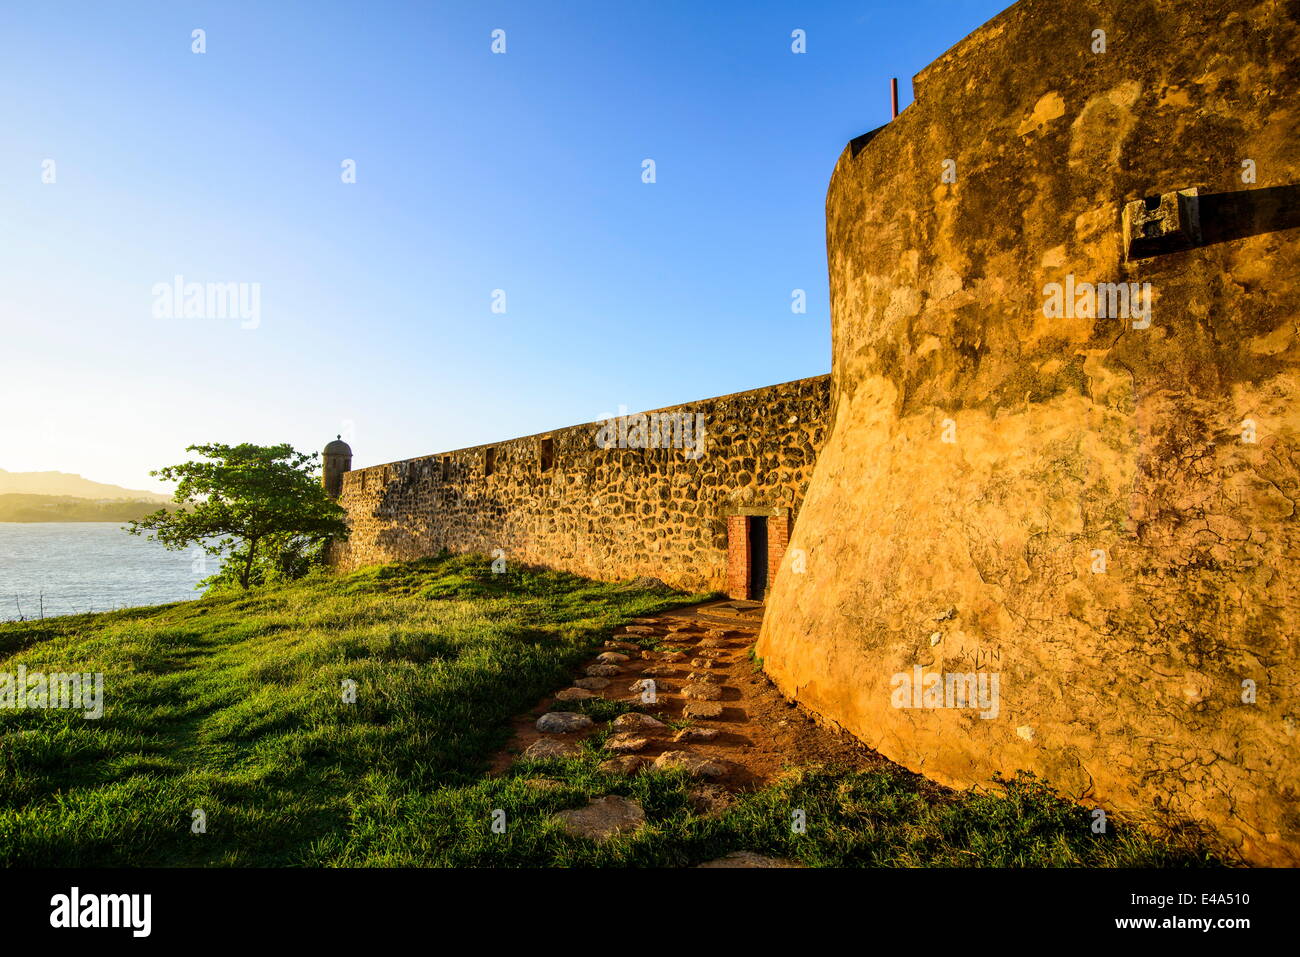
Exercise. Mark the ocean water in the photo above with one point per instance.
(89, 566)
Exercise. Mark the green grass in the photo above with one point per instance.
(879, 818)
(234, 705)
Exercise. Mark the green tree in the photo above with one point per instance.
(262, 508)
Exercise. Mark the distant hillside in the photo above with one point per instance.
(66, 508)
(66, 484)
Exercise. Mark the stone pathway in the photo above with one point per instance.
(684, 687)
(703, 708)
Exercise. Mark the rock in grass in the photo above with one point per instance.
(748, 859)
(603, 818)
(546, 749)
(563, 722)
(602, 671)
(709, 800)
(635, 721)
(646, 583)
(592, 684)
(611, 658)
(692, 764)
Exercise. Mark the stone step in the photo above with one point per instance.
(692, 764)
(547, 749)
(696, 734)
(748, 859)
(603, 818)
(625, 742)
(702, 691)
(575, 694)
(636, 721)
(628, 764)
(704, 710)
(563, 722)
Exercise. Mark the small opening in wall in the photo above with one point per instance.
(547, 453)
(757, 557)
(489, 461)
(445, 469)
(1152, 203)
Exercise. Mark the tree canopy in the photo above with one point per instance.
(262, 508)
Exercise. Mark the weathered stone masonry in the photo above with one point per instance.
(1100, 511)
(559, 499)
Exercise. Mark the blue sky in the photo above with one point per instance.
(475, 172)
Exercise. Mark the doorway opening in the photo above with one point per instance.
(756, 543)
(758, 558)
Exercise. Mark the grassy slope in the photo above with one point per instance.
(233, 705)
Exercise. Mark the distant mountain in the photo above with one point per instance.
(66, 484)
(65, 508)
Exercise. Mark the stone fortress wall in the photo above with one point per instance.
(1100, 511)
(562, 500)
(1085, 506)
